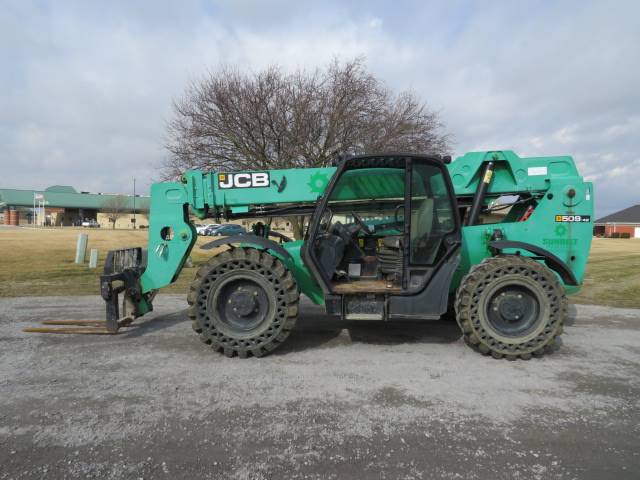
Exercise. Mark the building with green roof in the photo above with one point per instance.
(62, 205)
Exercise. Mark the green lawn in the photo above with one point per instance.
(613, 274)
(40, 262)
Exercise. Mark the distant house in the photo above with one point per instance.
(622, 224)
(61, 205)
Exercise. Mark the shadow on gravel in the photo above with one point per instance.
(314, 329)
(572, 313)
(321, 331)
(147, 326)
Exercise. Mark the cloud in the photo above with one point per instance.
(86, 89)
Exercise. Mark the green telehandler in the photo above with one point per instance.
(495, 240)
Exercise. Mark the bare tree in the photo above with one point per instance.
(232, 120)
(115, 207)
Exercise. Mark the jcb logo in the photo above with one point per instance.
(573, 218)
(243, 180)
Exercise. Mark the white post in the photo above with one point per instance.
(134, 203)
(39, 197)
(93, 258)
(81, 248)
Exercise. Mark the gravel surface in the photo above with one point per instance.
(337, 400)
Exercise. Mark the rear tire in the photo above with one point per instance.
(243, 302)
(511, 306)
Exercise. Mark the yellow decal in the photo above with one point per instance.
(487, 176)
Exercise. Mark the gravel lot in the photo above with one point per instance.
(338, 400)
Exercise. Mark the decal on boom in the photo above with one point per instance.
(573, 218)
(243, 180)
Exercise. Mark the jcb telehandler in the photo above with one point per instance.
(496, 239)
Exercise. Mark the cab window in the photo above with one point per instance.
(432, 213)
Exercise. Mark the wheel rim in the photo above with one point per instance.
(241, 305)
(513, 310)
(518, 330)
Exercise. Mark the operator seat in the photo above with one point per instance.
(421, 226)
(391, 254)
(330, 250)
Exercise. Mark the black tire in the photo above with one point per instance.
(243, 302)
(511, 306)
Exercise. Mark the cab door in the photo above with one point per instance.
(433, 236)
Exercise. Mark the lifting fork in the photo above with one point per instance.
(87, 327)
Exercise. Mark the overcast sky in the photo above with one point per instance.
(86, 87)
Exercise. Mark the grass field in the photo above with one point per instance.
(40, 262)
(613, 274)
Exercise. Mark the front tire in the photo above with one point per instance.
(243, 302)
(511, 306)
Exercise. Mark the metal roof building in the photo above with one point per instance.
(63, 205)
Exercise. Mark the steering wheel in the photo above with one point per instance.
(348, 236)
(362, 226)
(325, 220)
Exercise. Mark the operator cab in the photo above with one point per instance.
(383, 228)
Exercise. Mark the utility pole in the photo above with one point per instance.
(134, 203)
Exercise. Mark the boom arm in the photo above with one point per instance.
(171, 235)
(227, 195)
(234, 194)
